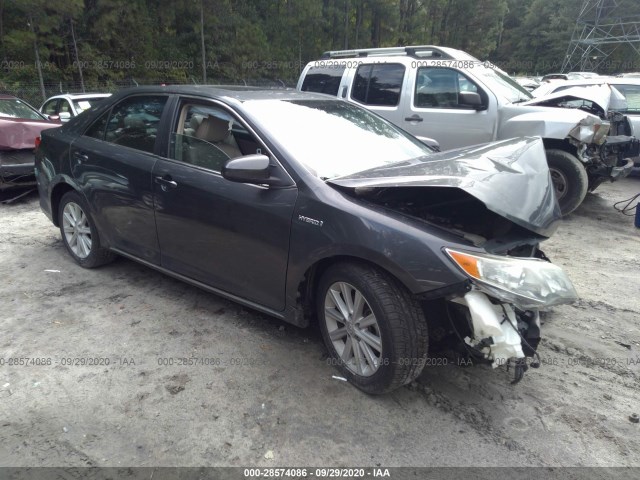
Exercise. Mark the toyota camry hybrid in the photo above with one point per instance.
(309, 208)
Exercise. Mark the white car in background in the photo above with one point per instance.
(64, 107)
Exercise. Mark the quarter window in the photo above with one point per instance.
(439, 88)
(323, 80)
(378, 84)
(97, 129)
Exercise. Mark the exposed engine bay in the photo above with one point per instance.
(498, 198)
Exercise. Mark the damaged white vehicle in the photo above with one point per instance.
(454, 98)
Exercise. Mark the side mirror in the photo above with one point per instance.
(430, 142)
(471, 99)
(254, 169)
(53, 118)
(64, 116)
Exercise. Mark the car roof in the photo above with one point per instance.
(233, 93)
(79, 96)
(423, 52)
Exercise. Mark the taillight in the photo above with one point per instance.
(38, 140)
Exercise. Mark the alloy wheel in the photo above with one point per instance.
(353, 329)
(77, 231)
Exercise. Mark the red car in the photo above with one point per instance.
(20, 124)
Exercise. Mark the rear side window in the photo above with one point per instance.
(132, 123)
(378, 84)
(323, 80)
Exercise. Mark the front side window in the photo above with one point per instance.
(378, 84)
(208, 136)
(132, 123)
(50, 108)
(323, 80)
(66, 107)
(439, 88)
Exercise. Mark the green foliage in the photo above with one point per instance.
(255, 40)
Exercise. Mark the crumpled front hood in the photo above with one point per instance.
(17, 134)
(602, 95)
(511, 178)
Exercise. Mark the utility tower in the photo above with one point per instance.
(602, 26)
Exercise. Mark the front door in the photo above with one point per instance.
(231, 236)
(432, 110)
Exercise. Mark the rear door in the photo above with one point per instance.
(231, 236)
(112, 163)
(378, 87)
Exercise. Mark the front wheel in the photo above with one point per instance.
(374, 329)
(79, 233)
(569, 177)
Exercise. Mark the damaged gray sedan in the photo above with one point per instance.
(313, 209)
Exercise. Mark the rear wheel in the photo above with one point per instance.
(569, 177)
(79, 233)
(374, 330)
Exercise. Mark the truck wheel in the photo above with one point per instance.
(569, 177)
(375, 331)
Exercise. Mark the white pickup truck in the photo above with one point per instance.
(454, 98)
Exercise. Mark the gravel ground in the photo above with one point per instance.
(263, 393)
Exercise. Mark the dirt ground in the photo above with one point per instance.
(264, 389)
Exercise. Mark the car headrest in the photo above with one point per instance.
(213, 129)
(195, 121)
(133, 123)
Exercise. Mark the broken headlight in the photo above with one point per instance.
(527, 283)
(588, 132)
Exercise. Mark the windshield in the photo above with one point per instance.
(332, 138)
(501, 84)
(15, 108)
(632, 95)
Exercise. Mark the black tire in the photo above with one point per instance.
(88, 254)
(400, 326)
(570, 180)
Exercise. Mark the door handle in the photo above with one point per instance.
(80, 156)
(166, 183)
(413, 118)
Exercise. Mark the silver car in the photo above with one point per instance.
(460, 101)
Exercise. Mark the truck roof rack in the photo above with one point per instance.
(418, 51)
